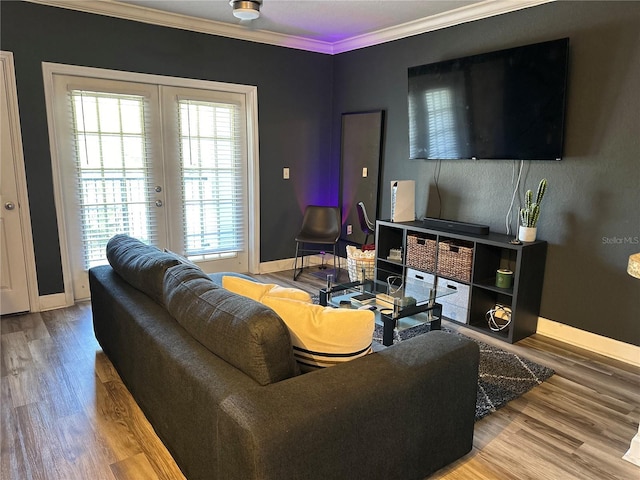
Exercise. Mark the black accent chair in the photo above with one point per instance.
(320, 227)
(367, 227)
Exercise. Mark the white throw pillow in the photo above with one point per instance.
(324, 336)
(257, 291)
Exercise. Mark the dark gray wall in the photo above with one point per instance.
(590, 213)
(294, 107)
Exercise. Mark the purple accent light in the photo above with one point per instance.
(318, 185)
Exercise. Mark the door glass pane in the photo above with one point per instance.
(111, 169)
(212, 177)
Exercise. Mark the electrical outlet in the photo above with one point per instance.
(365, 172)
(285, 173)
(349, 229)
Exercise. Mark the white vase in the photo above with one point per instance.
(527, 234)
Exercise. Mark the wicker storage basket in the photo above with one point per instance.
(421, 253)
(357, 260)
(455, 260)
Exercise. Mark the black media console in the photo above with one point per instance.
(474, 283)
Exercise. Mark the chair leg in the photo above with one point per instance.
(297, 272)
(295, 264)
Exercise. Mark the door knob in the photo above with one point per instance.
(9, 206)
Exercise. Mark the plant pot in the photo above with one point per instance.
(527, 234)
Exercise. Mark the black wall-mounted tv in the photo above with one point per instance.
(508, 104)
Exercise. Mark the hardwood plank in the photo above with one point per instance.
(65, 413)
(38, 443)
(16, 356)
(26, 387)
(11, 451)
(62, 326)
(104, 368)
(30, 324)
(591, 458)
(472, 466)
(113, 429)
(82, 450)
(45, 352)
(130, 468)
(141, 430)
(533, 460)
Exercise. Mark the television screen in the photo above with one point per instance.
(508, 104)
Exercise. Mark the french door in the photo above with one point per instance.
(164, 163)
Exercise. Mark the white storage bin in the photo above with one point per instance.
(418, 284)
(455, 306)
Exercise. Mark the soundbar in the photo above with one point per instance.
(455, 226)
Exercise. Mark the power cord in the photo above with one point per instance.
(436, 179)
(513, 197)
(392, 283)
(499, 317)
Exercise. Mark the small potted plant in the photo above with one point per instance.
(530, 213)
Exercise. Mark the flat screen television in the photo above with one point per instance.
(507, 104)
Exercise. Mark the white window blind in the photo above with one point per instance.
(113, 177)
(212, 177)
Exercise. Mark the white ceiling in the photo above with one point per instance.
(327, 26)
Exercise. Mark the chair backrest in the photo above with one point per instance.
(322, 221)
(365, 223)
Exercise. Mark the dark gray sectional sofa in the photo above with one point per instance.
(214, 374)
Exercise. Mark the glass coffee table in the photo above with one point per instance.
(396, 306)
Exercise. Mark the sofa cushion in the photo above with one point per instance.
(142, 266)
(257, 291)
(324, 336)
(244, 333)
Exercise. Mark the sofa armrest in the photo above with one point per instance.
(402, 413)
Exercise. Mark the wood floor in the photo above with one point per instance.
(66, 415)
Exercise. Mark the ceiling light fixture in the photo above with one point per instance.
(246, 10)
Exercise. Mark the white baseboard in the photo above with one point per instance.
(54, 301)
(625, 352)
(276, 266)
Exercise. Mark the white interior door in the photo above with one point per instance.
(14, 292)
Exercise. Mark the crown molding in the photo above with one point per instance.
(173, 20)
(478, 11)
(111, 8)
